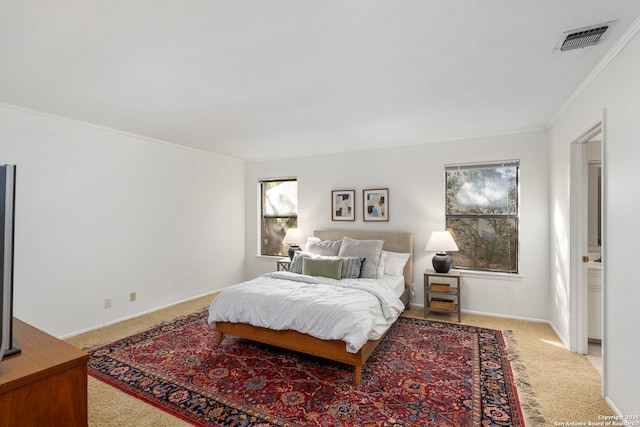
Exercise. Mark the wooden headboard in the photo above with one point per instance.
(393, 242)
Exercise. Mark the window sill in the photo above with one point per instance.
(271, 257)
(507, 277)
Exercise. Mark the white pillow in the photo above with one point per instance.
(322, 247)
(383, 259)
(369, 249)
(394, 263)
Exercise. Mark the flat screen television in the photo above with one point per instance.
(8, 346)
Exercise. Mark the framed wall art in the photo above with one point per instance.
(343, 205)
(375, 204)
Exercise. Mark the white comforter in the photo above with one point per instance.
(351, 310)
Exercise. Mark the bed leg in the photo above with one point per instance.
(357, 374)
(219, 337)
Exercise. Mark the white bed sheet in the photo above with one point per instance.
(351, 310)
(395, 283)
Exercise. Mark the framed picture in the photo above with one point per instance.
(375, 204)
(343, 205)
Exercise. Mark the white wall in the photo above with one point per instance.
(617, 91)
(415, 178)
(100, 214)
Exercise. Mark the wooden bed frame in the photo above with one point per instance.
(329, 349)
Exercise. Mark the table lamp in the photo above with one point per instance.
(294, 237)
(440, 242)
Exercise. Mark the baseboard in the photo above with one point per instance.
(507, 316)
(134, 315)
(615, 410)
(562, 339)
(484, 313)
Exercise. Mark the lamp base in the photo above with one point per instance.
(441, 263)
(292, 250)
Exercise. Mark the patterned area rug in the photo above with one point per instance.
(424, 373)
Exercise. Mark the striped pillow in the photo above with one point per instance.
(351, 266)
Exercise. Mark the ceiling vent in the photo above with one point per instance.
(583, 37)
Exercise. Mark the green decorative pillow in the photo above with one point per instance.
(331, 268)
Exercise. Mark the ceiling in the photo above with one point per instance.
(264, 79)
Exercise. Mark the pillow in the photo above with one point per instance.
(322, 247)
(351, 266)
(369, 249)
(394, 263)
(331, 268)
(298, 259)
(383, 260)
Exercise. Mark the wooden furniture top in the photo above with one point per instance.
(42, 355)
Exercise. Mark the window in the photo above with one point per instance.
(482, 214)
(278, 212)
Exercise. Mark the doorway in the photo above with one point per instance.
(593, 280)
(586, 284)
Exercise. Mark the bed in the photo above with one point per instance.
(354, 354)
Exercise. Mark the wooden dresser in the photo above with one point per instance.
(46, 384)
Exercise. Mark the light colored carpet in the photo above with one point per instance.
(553, 384)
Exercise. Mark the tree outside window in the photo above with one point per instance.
(482, 214)
(279, 212)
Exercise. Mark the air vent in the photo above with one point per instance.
(583, 37)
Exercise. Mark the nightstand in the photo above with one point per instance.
(283, 264)
(442, 292)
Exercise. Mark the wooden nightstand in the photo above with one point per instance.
(442, 292)
(283, 264)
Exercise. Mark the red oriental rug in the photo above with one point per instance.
(424, 373)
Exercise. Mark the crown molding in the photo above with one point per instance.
(111, 130)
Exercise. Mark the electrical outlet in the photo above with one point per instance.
(132, 296)
(107, 303)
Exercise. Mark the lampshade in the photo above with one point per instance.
(441, 241)
(294, 236)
